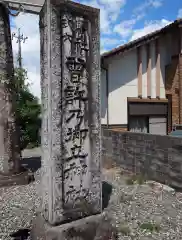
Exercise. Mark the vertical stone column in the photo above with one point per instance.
(71, 133)
(180, 74)
(9, 149)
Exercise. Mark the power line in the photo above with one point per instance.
(20, 38)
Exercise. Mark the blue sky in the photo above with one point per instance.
(121, 21)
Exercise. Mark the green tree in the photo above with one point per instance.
(28, 111)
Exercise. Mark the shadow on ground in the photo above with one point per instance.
(32, 163)
(106, 194)
(21, 234)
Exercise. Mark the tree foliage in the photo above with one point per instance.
(28, 111)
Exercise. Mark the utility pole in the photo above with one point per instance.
(20, 38)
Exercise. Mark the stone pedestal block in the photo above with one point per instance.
(96, 227)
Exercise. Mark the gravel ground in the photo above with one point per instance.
(147, 211)
(154, 205)
(18, 205)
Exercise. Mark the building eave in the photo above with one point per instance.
(140, 41)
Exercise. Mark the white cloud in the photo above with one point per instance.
(156, 3)
(148, 28)
(179, 13)
(103, 50)
(124, 29)
(29, 25)
(114, 8)
(147, 4)
(104, 16)
(109, 12)
(106, 41)
(113, 4)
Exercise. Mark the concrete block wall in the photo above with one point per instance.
(157, 157)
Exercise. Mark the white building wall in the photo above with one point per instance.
(162, 70)
(122, 75)
(165, 51)
(165, 58)
(144, 71)
(123, 81)
(103, 97)
(153, 69)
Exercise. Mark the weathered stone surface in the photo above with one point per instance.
(96, 227)
(9, 149)
(70, 83)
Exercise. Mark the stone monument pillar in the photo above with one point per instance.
(10, 168)
(9, 155)
(71, 133)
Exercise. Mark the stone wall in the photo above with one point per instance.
(158, 157)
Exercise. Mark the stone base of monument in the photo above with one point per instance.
(22, 178)
(95, 227)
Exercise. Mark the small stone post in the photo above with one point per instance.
(71, 132)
